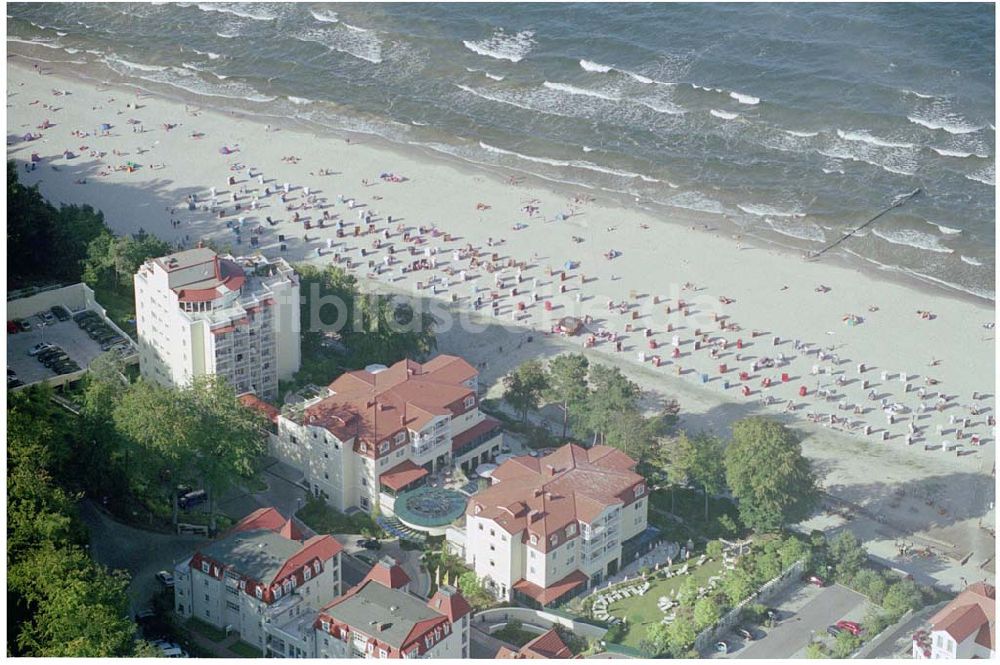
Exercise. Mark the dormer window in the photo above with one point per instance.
(316, 567)
(554, 539)
(478, 510)
(325, 625)
(363, 447)
(571, 530)
(259, 593)
(400, 437)
(534, 539)
(470, 401)
(206, 567)
(383, 447)
(640, 490)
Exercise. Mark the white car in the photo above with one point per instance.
(38, 348)
(165, 578)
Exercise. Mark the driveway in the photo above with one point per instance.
(141, 553)
(283, 492)
(805, 611)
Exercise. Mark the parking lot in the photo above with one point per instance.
(804, 611)
(65, 334)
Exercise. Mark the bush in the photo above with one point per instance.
(714, 549)
(754, 613)
(845, 645)
(901, 597)
(871, 584)
(615, 634)
(816, 650)
(875, 622)
(727, 526)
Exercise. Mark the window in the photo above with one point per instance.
(492, 563)
(205, 566)
(383, 447)
(638, 505)
(363, 447)
(554, 539)
(470, 401)
(207, 613)
(259, 593)
(400, 437)
(316, 567)
(326, 626)
(206, 598)
(570, 530)
(480, 524)
(493, 533)
(534, 539)
(570, 559)
(307, 573)
(640, 490)
(233, 606)
(493, 548)
(531, 569)
(382, 653)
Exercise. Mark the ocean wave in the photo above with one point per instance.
(299, 101)
(595, 67)
(324, 16)
(768, 211)
(745, 99)
(865, 137)
(917, 94)
(189, 81)
(951, 125)
(837, 171)
(61, 34)
(900, 165)
(804, 135)
(573, 90)
(980, 293)
(695, 201)
(500, 100)
(946, 230)
(808, 232)
(359, 43)
(504, 46)
(209, 54)
(912, 238)
(970, 260)
(45, 43)
(962, 154)
(587, 166)
(227, 35)
(986, 176)
(725, 115)
(493, 76)
(253, 11)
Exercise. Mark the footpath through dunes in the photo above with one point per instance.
(756, 327)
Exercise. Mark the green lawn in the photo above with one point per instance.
(321, 518)
(246, 650)
(642, 610)
(514, 635)
(205, 630)
(120, 306)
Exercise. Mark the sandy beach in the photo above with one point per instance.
(892, 399)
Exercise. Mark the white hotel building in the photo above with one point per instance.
(198, 314)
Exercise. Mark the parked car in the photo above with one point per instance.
(51, 352)
(746, 634)
(853, 627)
(13, 328)
(814, 579)
(60, 312)
(722, 646)
(165, 578)
(833, 630)
(23, 324)
(369, 543)
(38, 348)
(192, 499)
(114, 341)
(46, 318)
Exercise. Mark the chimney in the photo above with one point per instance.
(534, 516)
(538, 491)
(402, 420)
(200, 244)
(550, 470)
(369, 405)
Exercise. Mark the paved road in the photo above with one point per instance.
(792, 635)
(141, 553)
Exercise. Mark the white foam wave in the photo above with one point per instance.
(189, 81)
(970, 260)
(865, 137)
(800, 232)
(947, 230)
(981, 293)
(499, 100)
(917, 94)
(768, 211)
(695, 201)
(253, 11)
(588, 166)
(46, 44)
(299, 101)
(587, 149)
(133, 65)
(725, 115)
(745, 99)
(71, 51)
(961, 154)
(493, 76)
(209, 54)
(359, 43)
(595, 67)
(227, 35)
(573, 90)
(324, 16)
(986, 176)
(838, 171)
(912, 238)
(503, 46)
(951, 125)
(61, 34)
(643, 79)
(804, 135)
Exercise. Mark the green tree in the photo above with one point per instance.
(792, 550)
(201, 433)
(871, 584)
(657, 639)
(902, 597)
(567, 384)
(611, 395)
(767, 563)
(700, 458)
(714, 549)
(768, 474)
(845, 645)
(680, 634)
(706, 613)
(737, 585)
(815, 650)
(524, 386)
(847, 555)
(688, 593)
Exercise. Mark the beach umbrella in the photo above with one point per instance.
(224, 150)
(105, 127)
(35, 157)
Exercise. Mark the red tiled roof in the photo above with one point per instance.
(486, 425)
(972, 612)
(228, 274)
(388, 573)
(374, 407)
(402, 475)
(262, 518)
(251, 401)
(222, 330)
(547, 645)
(549, 594)
(318, 547)
(449, 602)
(545, 495)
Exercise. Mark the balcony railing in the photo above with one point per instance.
(469, 446)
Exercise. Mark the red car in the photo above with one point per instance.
(815, 580)
(853, 627)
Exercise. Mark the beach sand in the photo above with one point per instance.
(771, 291)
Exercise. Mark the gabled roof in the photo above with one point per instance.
(251, 401)
(972, 612)
(449, 602)
(402, 475)
(545, 495)
(270, 519)
(553, 592)
(546, 645)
